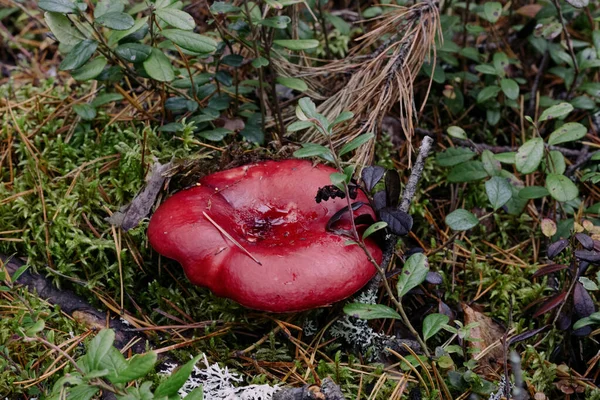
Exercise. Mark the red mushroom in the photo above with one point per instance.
(256, 235)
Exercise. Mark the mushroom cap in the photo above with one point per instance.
(269, 208)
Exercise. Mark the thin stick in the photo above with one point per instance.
(228, 236)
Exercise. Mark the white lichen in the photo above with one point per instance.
(221, 384)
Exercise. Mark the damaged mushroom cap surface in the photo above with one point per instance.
(256, 235)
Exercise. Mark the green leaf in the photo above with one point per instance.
(99, 347)
(17, 274)
(62, 27)
(196, 394)
(370, 311)
(344, 116)
(486, 69)
(498, 191)
(557, 111)
(533, 192)
(467, 172)
(80, 54)
(85, 111)
(190, 41)
(233, 60)
(308, 107)
(500, 63)
(292, 83)
(529, 156)
(457, 132)
(492, 10)
(82, 392)
(170, 386)
(588, 284)
(176, 18)
(260, 62)
(487, 93)
(221, 7)
(374, 228)
(106, 6)
(461, 220)
(118, 21)
(338, 179)
(299, 125)
(453, 156)
(490, 163)
(216, 134)
(356, 143)
(554, 163)
(569, 132)
(278, 22)
(158, 67)
(133, 52)
(432, 324)
(313, 150)
(106, 98)
(561, 188)
(507, 157)
(118, 35)
(113, 362)
(59, 6)
(89, 70)
(413, 273)
(37, 327)
(510, 88)
(137, 367)
(298, 44)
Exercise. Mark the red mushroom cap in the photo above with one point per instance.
(269, 209)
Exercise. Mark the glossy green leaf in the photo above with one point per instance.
(299, 125)
(137, 367)
(457, 132)
(432, 324)
(277, 22)
(298, 44)
(63, 29)
(190, 41)
(488, 93)
(85, 111)
(498, 191)
(80, 54)
(467, 172)
(216, 134)
(506, 158)
(118, 21)
(461, 220)
(561, 188)
(313, 150)
(374, 228)
(510, 88)
(454, 155)
(170, 386)
(158, 66)
(133, 52)
(58, 6)
(356, 143)
(89, 70)
(413, 273)
(292, 83)
(557, 111)
(98, 348)
(344, 116)
(490, 163)
(529, 156)
(569, 132)
(370, 311)
(554, 163)
(492, 10)
(176, 18)
(533, 192)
